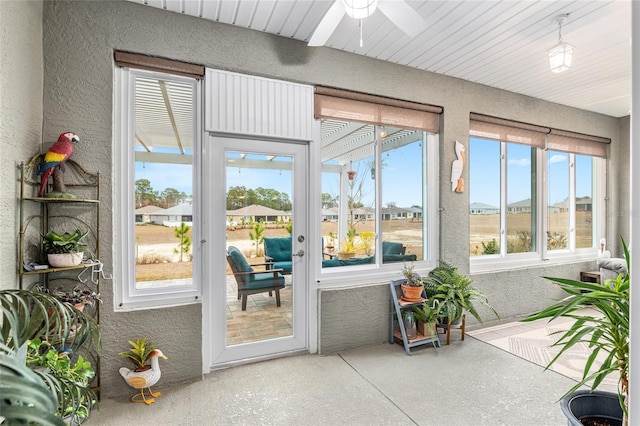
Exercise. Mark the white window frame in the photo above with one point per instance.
(504, 261)
(127, 296)
(360, 275)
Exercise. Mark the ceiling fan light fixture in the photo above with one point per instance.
(360, 9)
(560, 55)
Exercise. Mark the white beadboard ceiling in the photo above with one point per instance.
(501, 44)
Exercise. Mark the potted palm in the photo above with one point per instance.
(454, 293)
(412, 286)
(606, 332)
(64, 250)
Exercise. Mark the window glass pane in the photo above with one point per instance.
(584, 201)
(402, 190)
(163, 183)
(484, 196)
(520, 205)
(558, 200)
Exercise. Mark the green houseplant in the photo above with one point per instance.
(426, 317)
(139, 353)
(32, 316)
(605, 333)
(77, 296)
(65, 249)
(454, 293)
(412, 286)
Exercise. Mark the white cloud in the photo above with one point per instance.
(558, 158)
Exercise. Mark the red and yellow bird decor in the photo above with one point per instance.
(57, 155)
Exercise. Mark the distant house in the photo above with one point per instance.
(414, 212)
(173, 216)
(481, 208)
(330, 215)
(143, 213)
(583, 204)
(257, 213)
(523, 206)
(393, 213)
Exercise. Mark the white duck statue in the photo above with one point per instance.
(144, 379)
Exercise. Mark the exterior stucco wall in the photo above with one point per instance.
(20, 115)
(78, 42)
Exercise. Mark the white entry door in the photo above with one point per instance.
(255, 190)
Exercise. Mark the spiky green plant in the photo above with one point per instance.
(139, 351)
(184, 246)
(605, 333)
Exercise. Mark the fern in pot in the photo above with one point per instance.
(64, 250)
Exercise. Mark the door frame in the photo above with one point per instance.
(216, 354)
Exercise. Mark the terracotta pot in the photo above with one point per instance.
(345, 256)
(411, 293)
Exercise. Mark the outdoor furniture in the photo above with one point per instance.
(395, 252)
(250, 281)
(278, 254)
(611, 267)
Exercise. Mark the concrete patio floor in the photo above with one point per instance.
(465, 383)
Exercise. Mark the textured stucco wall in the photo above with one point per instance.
(20, 115)
(79, 38)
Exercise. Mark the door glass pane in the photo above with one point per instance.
(164, 123)
(484, 195)
(558, 200)
(584, 201)
(402, 176)
(259, 250)
(521, 206)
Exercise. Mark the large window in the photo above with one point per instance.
(157, 200)
(512, 214)
(378, 186)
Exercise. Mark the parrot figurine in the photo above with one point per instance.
(56, 156)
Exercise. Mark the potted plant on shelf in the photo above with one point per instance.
(606, 333)
(37, 394)
(454, 293)
(77, 296)
(412, 286)
(64, 250)
(143, 376)
(426, 317)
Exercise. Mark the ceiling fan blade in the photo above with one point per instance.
(327, 26)
(403, 16)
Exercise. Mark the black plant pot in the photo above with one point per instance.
(583, 404)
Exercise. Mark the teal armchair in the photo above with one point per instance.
(251, 281)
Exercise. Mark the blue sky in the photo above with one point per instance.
(484, 173)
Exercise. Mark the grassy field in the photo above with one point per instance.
(482, 228)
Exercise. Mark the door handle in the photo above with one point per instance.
(299, 253)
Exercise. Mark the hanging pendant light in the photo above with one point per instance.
(360, 9)
(561, 54)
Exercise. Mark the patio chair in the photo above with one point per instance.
(251, 281)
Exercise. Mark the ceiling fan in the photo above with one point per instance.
(398, 12)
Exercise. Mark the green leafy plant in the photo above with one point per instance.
(139, 352)
(69, 380)
(454, 292)
(413, 279)
(425, 313)
(606, 332)
(184, 246)
(76, 295)
(54, 243)
(492, 247)
(31, 316)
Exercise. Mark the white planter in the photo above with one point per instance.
(64, 260)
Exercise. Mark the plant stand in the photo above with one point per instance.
(399, 334)
(447, 327)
